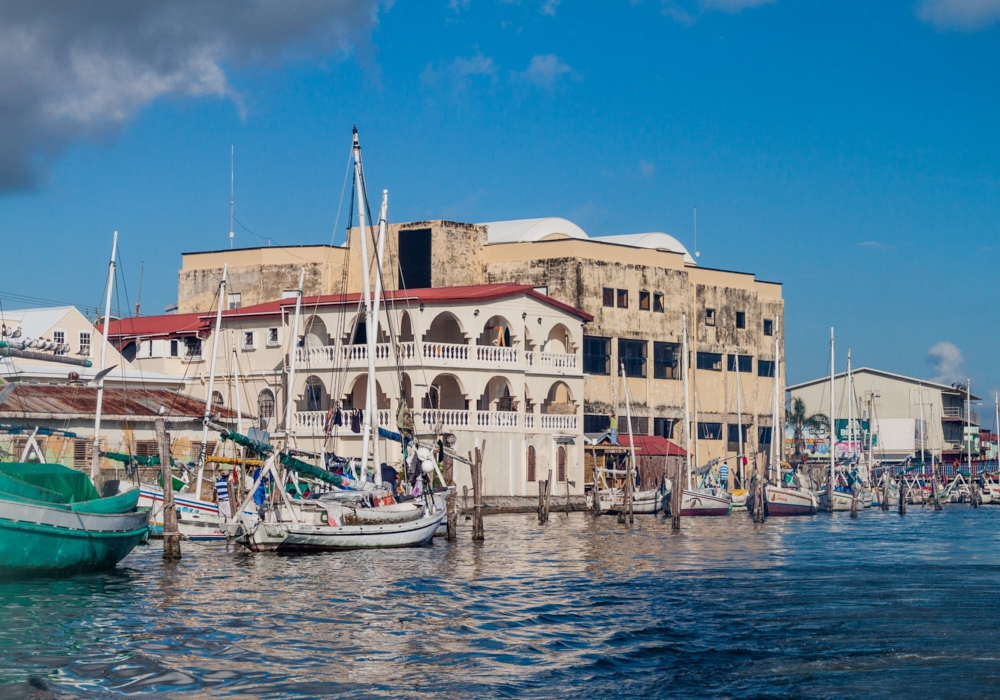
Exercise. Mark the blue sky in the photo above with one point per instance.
(847, 149)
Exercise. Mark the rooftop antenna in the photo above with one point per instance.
(138, 299)
(232, 198)
(696, 253)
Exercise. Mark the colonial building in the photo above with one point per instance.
(636, 287)
(496, 365)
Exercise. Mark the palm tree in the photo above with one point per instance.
(800, 422)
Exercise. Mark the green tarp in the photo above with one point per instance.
(74, 486)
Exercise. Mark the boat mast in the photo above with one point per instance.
(687, 395)
(236, 384)
(996, 422)
(366, 430)
(739, 422)
(293, 351)
(833, 428)
(630, 473)
(850, 408)
(203, 452)
(775, 420)
(372, 393)
(920, 388)
(968, 420)
(95, 459)
(232, 193)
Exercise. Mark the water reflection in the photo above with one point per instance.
(881, 606)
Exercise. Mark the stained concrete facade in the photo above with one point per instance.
(728, 313)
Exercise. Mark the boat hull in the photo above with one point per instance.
(39, 540)
(841, 501)
(781, 502)
(643, 502)
(705, 503)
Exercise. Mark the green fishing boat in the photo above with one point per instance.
(53, 521)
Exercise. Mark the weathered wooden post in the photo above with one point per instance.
(171, 537)
(902, 496)
(936, 490)
(885, 489)
(677, 498)
(465, 502)
(477, 495)
(544, 491)
(449, 477)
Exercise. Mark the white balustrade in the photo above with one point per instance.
(555, 421)
(529, 421)
(496, 419)
(556, 360)
(493, 355)
(359, 353)
(445, 351)
(315, 421)
(323, 354)
(446, 418)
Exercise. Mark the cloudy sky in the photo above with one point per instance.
(847, 148)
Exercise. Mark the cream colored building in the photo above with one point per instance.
(498, 365)
(635, 286)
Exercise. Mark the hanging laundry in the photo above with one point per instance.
(356, 421)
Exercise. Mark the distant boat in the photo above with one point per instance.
(53, 521)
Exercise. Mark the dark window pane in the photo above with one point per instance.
(764, 436)
(768, 327)
(666, 361)
(709, 317)
(741, 319)
(632, 354)
(765, 368)
(596, 355)
(734, 434)
(745, 363)
(622, 298)
(644, 301)
(609, 296)
(709, 360)
(640, 425)
(658, 303)
(595, 423)
(664, 427)
(415, 258)
(710, 431)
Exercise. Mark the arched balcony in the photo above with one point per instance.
(559, 410)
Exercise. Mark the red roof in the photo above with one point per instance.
(132, 403)
(195, 323)
(653, 446)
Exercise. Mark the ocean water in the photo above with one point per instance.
(884, 606)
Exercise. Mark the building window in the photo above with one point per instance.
(741, 319)
(151, 347)
(235, 300)
(595, 423)
(217, 399)
(622, 298)
(265, 404)
(745, 363)
(666, 361)
(709, 317)
(664, 427)
(640, 425)
(85, 343)
(59, 338)
(531, 463)
(314, 394)
(709, 360)
(248, 340)
(658, 303)
(734, 434)
(765, 368)
(272, 337)
(609, 296)
(596, 355)
(192, 348)
(644, 301)
(710, 431)
(768, 327)
(561, 463)
(632, 354)
(174, 348)
(764, 436)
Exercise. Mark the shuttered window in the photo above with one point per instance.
(531, 463)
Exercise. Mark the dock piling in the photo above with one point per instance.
(171, 536)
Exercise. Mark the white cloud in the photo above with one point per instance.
(549, 7)
(545, 70)
(646, 168)
(458, 5)
(733, 5)
(948, 361)
(461, 70)
(683, 12)
(967, 15)
(82, 70)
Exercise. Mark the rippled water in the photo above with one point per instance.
(883, 606)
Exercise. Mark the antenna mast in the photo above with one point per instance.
(696, 253)
(232, 192)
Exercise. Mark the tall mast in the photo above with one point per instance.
(686, 368)
(968, 419)
(236, 384)
(920, 388)
(630, 472)
(293, 351)
(232, 192)
(95, 459)
(366, 430)
(776, 432)
(996, 421)
(833, 427)
(211, 384)
(739, 421)
(850, 407)
(372, 393)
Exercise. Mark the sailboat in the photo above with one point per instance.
(351, 513)
(835, 496)
(706, 500)
(781, 498)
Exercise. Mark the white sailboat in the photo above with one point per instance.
(833, 498)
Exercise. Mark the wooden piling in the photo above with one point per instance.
(902, 496)
(855, 497)
(477, 496)
(936, 491)
(884, 505)
(171, 536)
(449, 477)
(677, 498)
